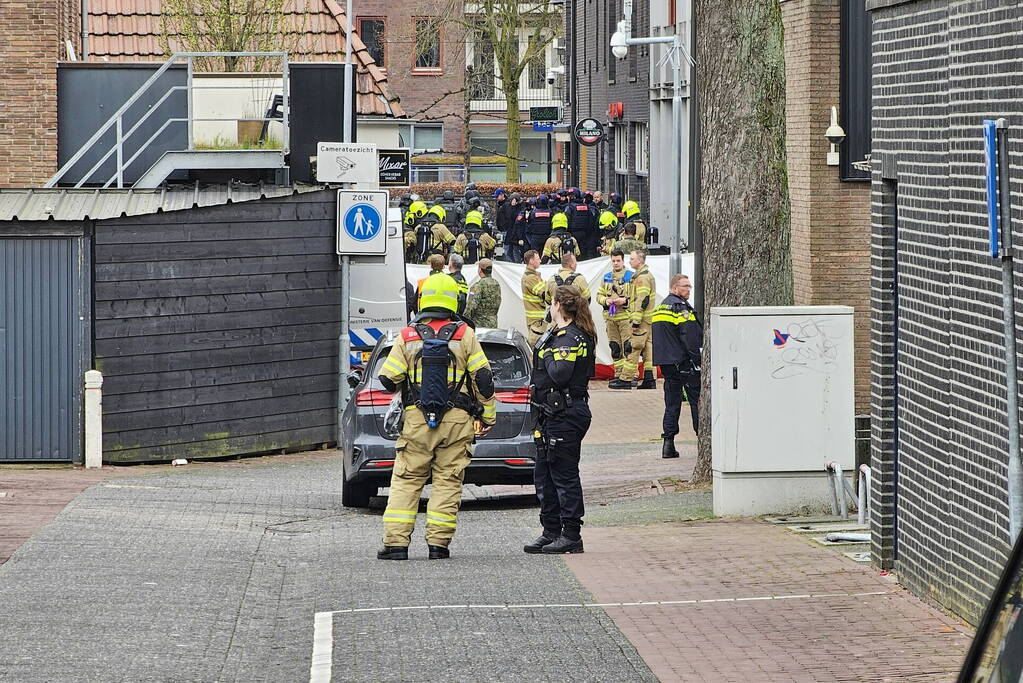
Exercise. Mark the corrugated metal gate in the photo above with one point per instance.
(40, 349)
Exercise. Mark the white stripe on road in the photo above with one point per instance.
(323, 622)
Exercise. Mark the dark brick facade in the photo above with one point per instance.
(937, 393)
(598, 79)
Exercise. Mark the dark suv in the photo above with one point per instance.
(502, 456)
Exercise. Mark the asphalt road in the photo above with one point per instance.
(218, 572)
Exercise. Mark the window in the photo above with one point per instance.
(537, 72)
(641, 133)
(479, 77)
(427, 55)
(422, 137)
(621, 149)
(372, 33)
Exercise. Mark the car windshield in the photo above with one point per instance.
(997, 656)
(506, 361)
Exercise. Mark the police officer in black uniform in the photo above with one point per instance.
(678, 351)
(563, 361)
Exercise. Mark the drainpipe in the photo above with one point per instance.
(85, 30)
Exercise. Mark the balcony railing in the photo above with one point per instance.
(486, 97)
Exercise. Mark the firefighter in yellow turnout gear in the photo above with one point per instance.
(642, 302)
(533, 292)
(613, 297)
(446, 384)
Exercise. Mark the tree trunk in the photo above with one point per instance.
(466, 131)
(511, 164)
(743, 211)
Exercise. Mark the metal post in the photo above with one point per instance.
(550, 157)
(120, 155)
(93, 419)
(188, 93)
(677, 212)
(1015, 470)
(344, 344)
(285, 96)
(85, 30)
(347, 116)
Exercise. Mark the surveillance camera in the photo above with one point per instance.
(835, 133)
(619, 46)
(550, 77)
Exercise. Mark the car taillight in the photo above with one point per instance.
(517, 461)
(379, 463)
(517, 396)
(373, 397)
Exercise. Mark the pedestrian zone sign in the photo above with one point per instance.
(361, 222)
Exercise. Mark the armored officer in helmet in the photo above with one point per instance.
(538, 225)
(562, 365)
(446, 383)
(561, 240)
(631, 211)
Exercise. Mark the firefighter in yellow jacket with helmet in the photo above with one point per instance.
(642, 302)
(447, 386)
(631, 211)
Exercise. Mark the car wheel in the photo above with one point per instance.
(356, 495)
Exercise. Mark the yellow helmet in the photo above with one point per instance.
(439, 291)
(559, 220)
(608, 220)
(630, 208)
(417, 209)
(474, 218)
(438, 211)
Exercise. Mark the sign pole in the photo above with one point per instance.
(1015, 467)
(344, 342)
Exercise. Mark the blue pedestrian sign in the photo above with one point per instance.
(361, 222)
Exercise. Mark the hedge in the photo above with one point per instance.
(486, 189)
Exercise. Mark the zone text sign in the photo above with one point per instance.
(362, 222)
(346, 162)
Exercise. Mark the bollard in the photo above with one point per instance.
(93, 419)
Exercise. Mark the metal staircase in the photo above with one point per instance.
(172, 160)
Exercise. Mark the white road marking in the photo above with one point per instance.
(320, 670)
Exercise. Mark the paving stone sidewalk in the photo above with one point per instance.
(769, 606)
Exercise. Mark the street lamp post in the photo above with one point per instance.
(620, 42)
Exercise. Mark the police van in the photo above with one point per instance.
(378, 294)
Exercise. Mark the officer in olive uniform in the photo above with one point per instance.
(626, 242)
(678, 352)
(484, 297)
(613, 297)
(533, 288)
(440, 452)
(641, 310)
(562, 365)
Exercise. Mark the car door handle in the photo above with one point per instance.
(735, 377)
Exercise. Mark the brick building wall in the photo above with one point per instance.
(32, 45)
(425, 97)
(830, 219)
(939, 513)
(600, 79)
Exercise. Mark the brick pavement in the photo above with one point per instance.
(889, 637)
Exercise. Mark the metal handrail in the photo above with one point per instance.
(116, 119)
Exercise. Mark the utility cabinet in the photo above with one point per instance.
(782, 406)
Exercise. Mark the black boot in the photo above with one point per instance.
(668, 448)
(438, 552)
(564, 545)
(537, 546)
(393, 552)
(648, 380)
(619, 384)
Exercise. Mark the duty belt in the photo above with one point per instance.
(555, 401)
